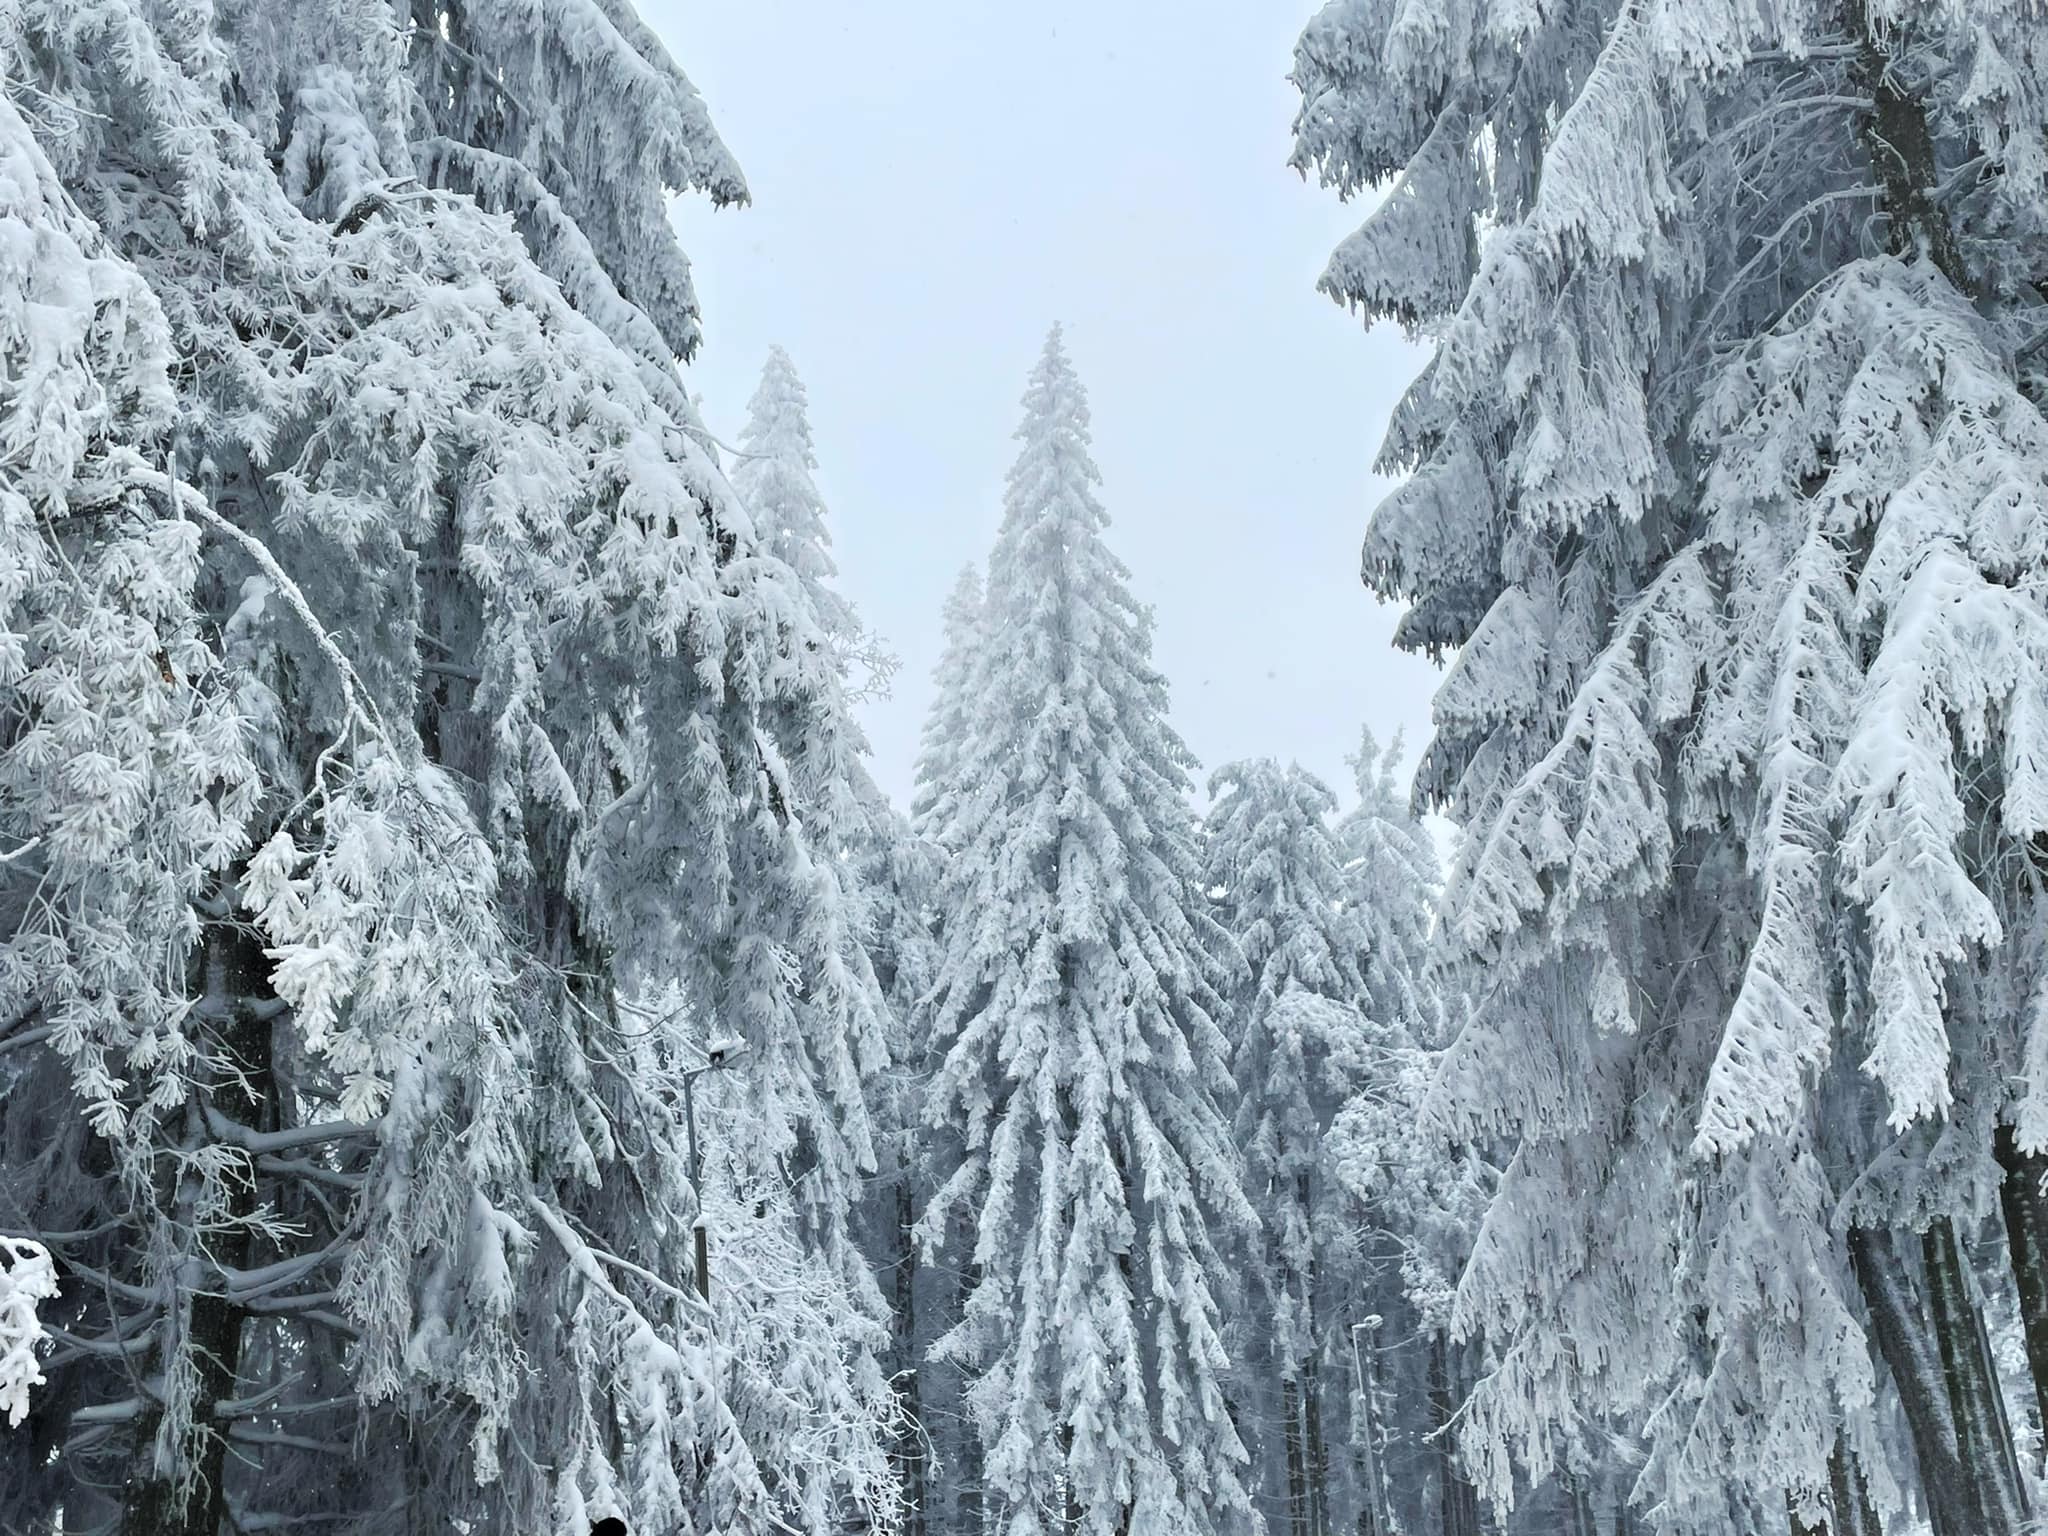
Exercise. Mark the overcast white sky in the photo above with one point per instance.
(935, 182)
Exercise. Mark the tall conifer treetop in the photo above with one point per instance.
(1077, 1001)
(951, 716)
(774, 478)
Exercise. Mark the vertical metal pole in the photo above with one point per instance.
(1366, 1374)
(697, 1184)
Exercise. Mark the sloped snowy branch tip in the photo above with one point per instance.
(27, 1276)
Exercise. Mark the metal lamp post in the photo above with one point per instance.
(1367, 1378)
(719, 1053)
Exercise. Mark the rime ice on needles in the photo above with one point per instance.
(1721, 484)
(951, 716)
(1302, 1049)
(1077, 1001)
(397, 694)
(27, 1277)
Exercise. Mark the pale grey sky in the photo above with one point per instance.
(935, 182)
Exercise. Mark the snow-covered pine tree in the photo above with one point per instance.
(1420, 1198)
(953, 1493)
(943, 748)
(1422, 1194)
(1710, 478)
(886, 875)
(1302, 1049)
(1077, 1000)
(429, 702)
(773, 473)
(1392, 882)
(899, 871)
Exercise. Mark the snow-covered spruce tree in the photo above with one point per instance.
(953, 1490)
(886, 874)
(1739, 745)
(1302, 1048)
(423, 698)
(1077, 1000)
(1423, 1194)
(773, 474)
(943, 747)
(1392, 882)
(126, 780)
(898, 872)
(1422, 1197)
(807, 1380)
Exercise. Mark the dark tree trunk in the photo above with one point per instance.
(966, 1471)
(1297, 1460)
(1318, 1453)
(910, 1453)
(2026, 1237)
(1458, 1498)
(1902, 153)
(1902, 1339)
(1854, 1514)
(231, 982)
(1983, 1441)
(1579, 1508)
(1994, 1389)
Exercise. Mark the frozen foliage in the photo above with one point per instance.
(28, 1278)
(397, 700)
(773, 475)
(1303, 1048)
(806, 1377)
(1725, 485)
(1392, 882)
(1077, 1001)
(821, 1391)
(1302, 1042)
(951, 718)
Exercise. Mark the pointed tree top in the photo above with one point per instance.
(778, 415)
(1373, 765)
(963, 602)
(1054, 397)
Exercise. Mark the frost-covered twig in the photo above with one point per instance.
(29, 1276)
(357, 706)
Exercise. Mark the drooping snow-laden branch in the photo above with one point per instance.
(28, 1275)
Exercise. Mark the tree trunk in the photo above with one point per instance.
(1854, 1514)
(1579, 1509)
(910, 1455)
(1983, 1441)
(1316, 1452)
(1901, 1334)
(966, 1472)
(1902, 153)
(1297, 1465)
(231, 971)
(1995, 1389)
(2026, 1236)
(1801, 1527)
(1458, 1498)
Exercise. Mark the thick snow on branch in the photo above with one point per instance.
(27, 1276)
